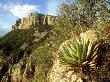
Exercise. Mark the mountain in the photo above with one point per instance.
(24, 51)
(29, 53)
(34, 19)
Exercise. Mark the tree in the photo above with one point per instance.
(84, 12)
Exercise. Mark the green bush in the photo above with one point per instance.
(80, 53)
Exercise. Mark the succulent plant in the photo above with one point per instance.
(79, 53)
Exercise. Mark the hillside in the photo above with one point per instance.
(29, 53)
(26, 52)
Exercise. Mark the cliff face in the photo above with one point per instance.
(34, 20)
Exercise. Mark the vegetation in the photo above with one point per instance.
(14, 39)
(82, 15)
(75, 17)
(80, 53)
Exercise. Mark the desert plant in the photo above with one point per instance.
(80, 53)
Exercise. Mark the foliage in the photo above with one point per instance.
(105, 32)
(79, 53)
(14, 39)
(45, 53)
(42, 55)
(83, 13)
(73, 19)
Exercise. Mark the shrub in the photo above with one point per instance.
(80, 53)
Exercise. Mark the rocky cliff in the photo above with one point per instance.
(26, 54)
(34, 20)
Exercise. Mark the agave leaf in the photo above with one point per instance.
(67, 55)
(68, 59)
(72, 53)
(93, 53)
(75, 58)
(73, 48)
(62, 51)
(85, 48)
(80, 52)
(80, 49)
(93, 56)
(89, 47)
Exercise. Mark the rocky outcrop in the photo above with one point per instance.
(34, 20)
(20, 72)
(63, 73)
(17, 67)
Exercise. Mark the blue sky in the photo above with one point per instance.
(11, 10)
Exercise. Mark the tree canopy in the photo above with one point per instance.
(84, 12)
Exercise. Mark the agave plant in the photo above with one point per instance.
(79, 53)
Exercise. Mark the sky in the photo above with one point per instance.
(11, 10)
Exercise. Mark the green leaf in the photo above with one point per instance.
(78, 52)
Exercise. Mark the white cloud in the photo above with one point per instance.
(21, 11)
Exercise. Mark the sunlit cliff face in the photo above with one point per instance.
(34, 19)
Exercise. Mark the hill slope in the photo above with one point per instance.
(18, 45)
(29, 52)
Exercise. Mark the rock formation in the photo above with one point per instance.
(34, 20)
